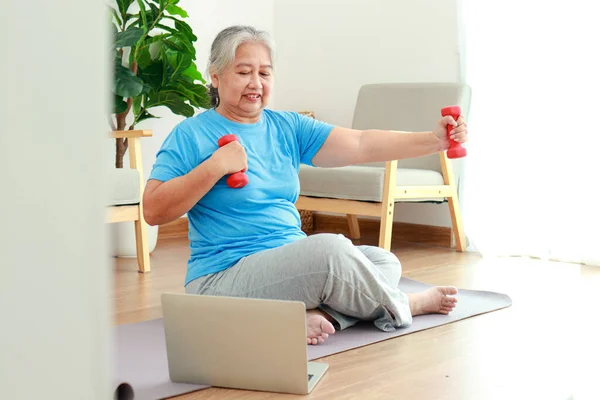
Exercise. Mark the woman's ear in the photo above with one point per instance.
(214, 80)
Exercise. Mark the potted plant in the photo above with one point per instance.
(153, 57)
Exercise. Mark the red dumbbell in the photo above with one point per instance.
(456, 150)
(238, 179)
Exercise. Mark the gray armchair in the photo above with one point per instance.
(373, 189)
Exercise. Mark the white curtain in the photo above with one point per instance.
(532, 175)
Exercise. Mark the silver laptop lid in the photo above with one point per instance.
(236, 342)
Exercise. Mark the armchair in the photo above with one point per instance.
(373, 189)
(127, 187)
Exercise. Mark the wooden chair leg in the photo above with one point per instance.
(387, 205)
(457, 225)
(385, 227)
(353, 225)
(141, 228)
(141, 242)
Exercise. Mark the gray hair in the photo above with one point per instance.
(222, 51)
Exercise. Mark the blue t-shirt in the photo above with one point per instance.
(229, 224)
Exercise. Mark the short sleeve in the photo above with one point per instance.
(311, 135)
(176, 157)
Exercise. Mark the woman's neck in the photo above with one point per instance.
(237, 116)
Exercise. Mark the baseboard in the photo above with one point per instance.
(401, 231)
(175, 229)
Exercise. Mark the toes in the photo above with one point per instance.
(448, 290)
(449, 301)
(327, 327)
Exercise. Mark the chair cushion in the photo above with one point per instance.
(124, 187)
(359, 182)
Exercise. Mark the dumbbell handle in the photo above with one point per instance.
(237, 179)
(456, 150)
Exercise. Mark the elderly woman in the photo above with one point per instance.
(247, 242)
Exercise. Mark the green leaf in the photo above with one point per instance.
(124, 6)
(184, 28)
(174, 46)
(149, 48)
(119, 105)
(200, 92)
(128, 38)
(166, 69)
(166, 28)
(186, 46)
(196, 94)
(176, 10)
(147, 88)
(153, 13)
(192, 72)
(116, 16)
(126, 83)
(184, 93)
(179, 62)
(144, 20)
(172, 101)
(144, 58)
(137, 105)
(152, 74)
(145, 115)
(134, 22)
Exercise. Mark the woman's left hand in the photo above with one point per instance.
(458, 133)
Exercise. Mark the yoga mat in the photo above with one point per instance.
(470, 303)
(141, 370)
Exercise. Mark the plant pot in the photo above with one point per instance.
(123, 239)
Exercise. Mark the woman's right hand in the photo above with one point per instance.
(230, 158)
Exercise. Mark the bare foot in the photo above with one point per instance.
(318, 328)
(433, 300)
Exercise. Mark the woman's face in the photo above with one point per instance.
(245, 86)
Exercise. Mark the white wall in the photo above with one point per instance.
(328, 49)
(54, 269)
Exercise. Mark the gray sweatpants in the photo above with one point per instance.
(325, 271)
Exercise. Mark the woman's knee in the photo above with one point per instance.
(331, 243)
(385, 261)
(337, 251)
(334, 250)
(329, 239)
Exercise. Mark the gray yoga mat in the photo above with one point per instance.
(141, 370)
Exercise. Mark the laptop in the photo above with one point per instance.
(239, 343)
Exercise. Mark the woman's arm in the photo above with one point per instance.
(166, 201)
(350, 146)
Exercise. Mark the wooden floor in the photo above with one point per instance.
(545, 346)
